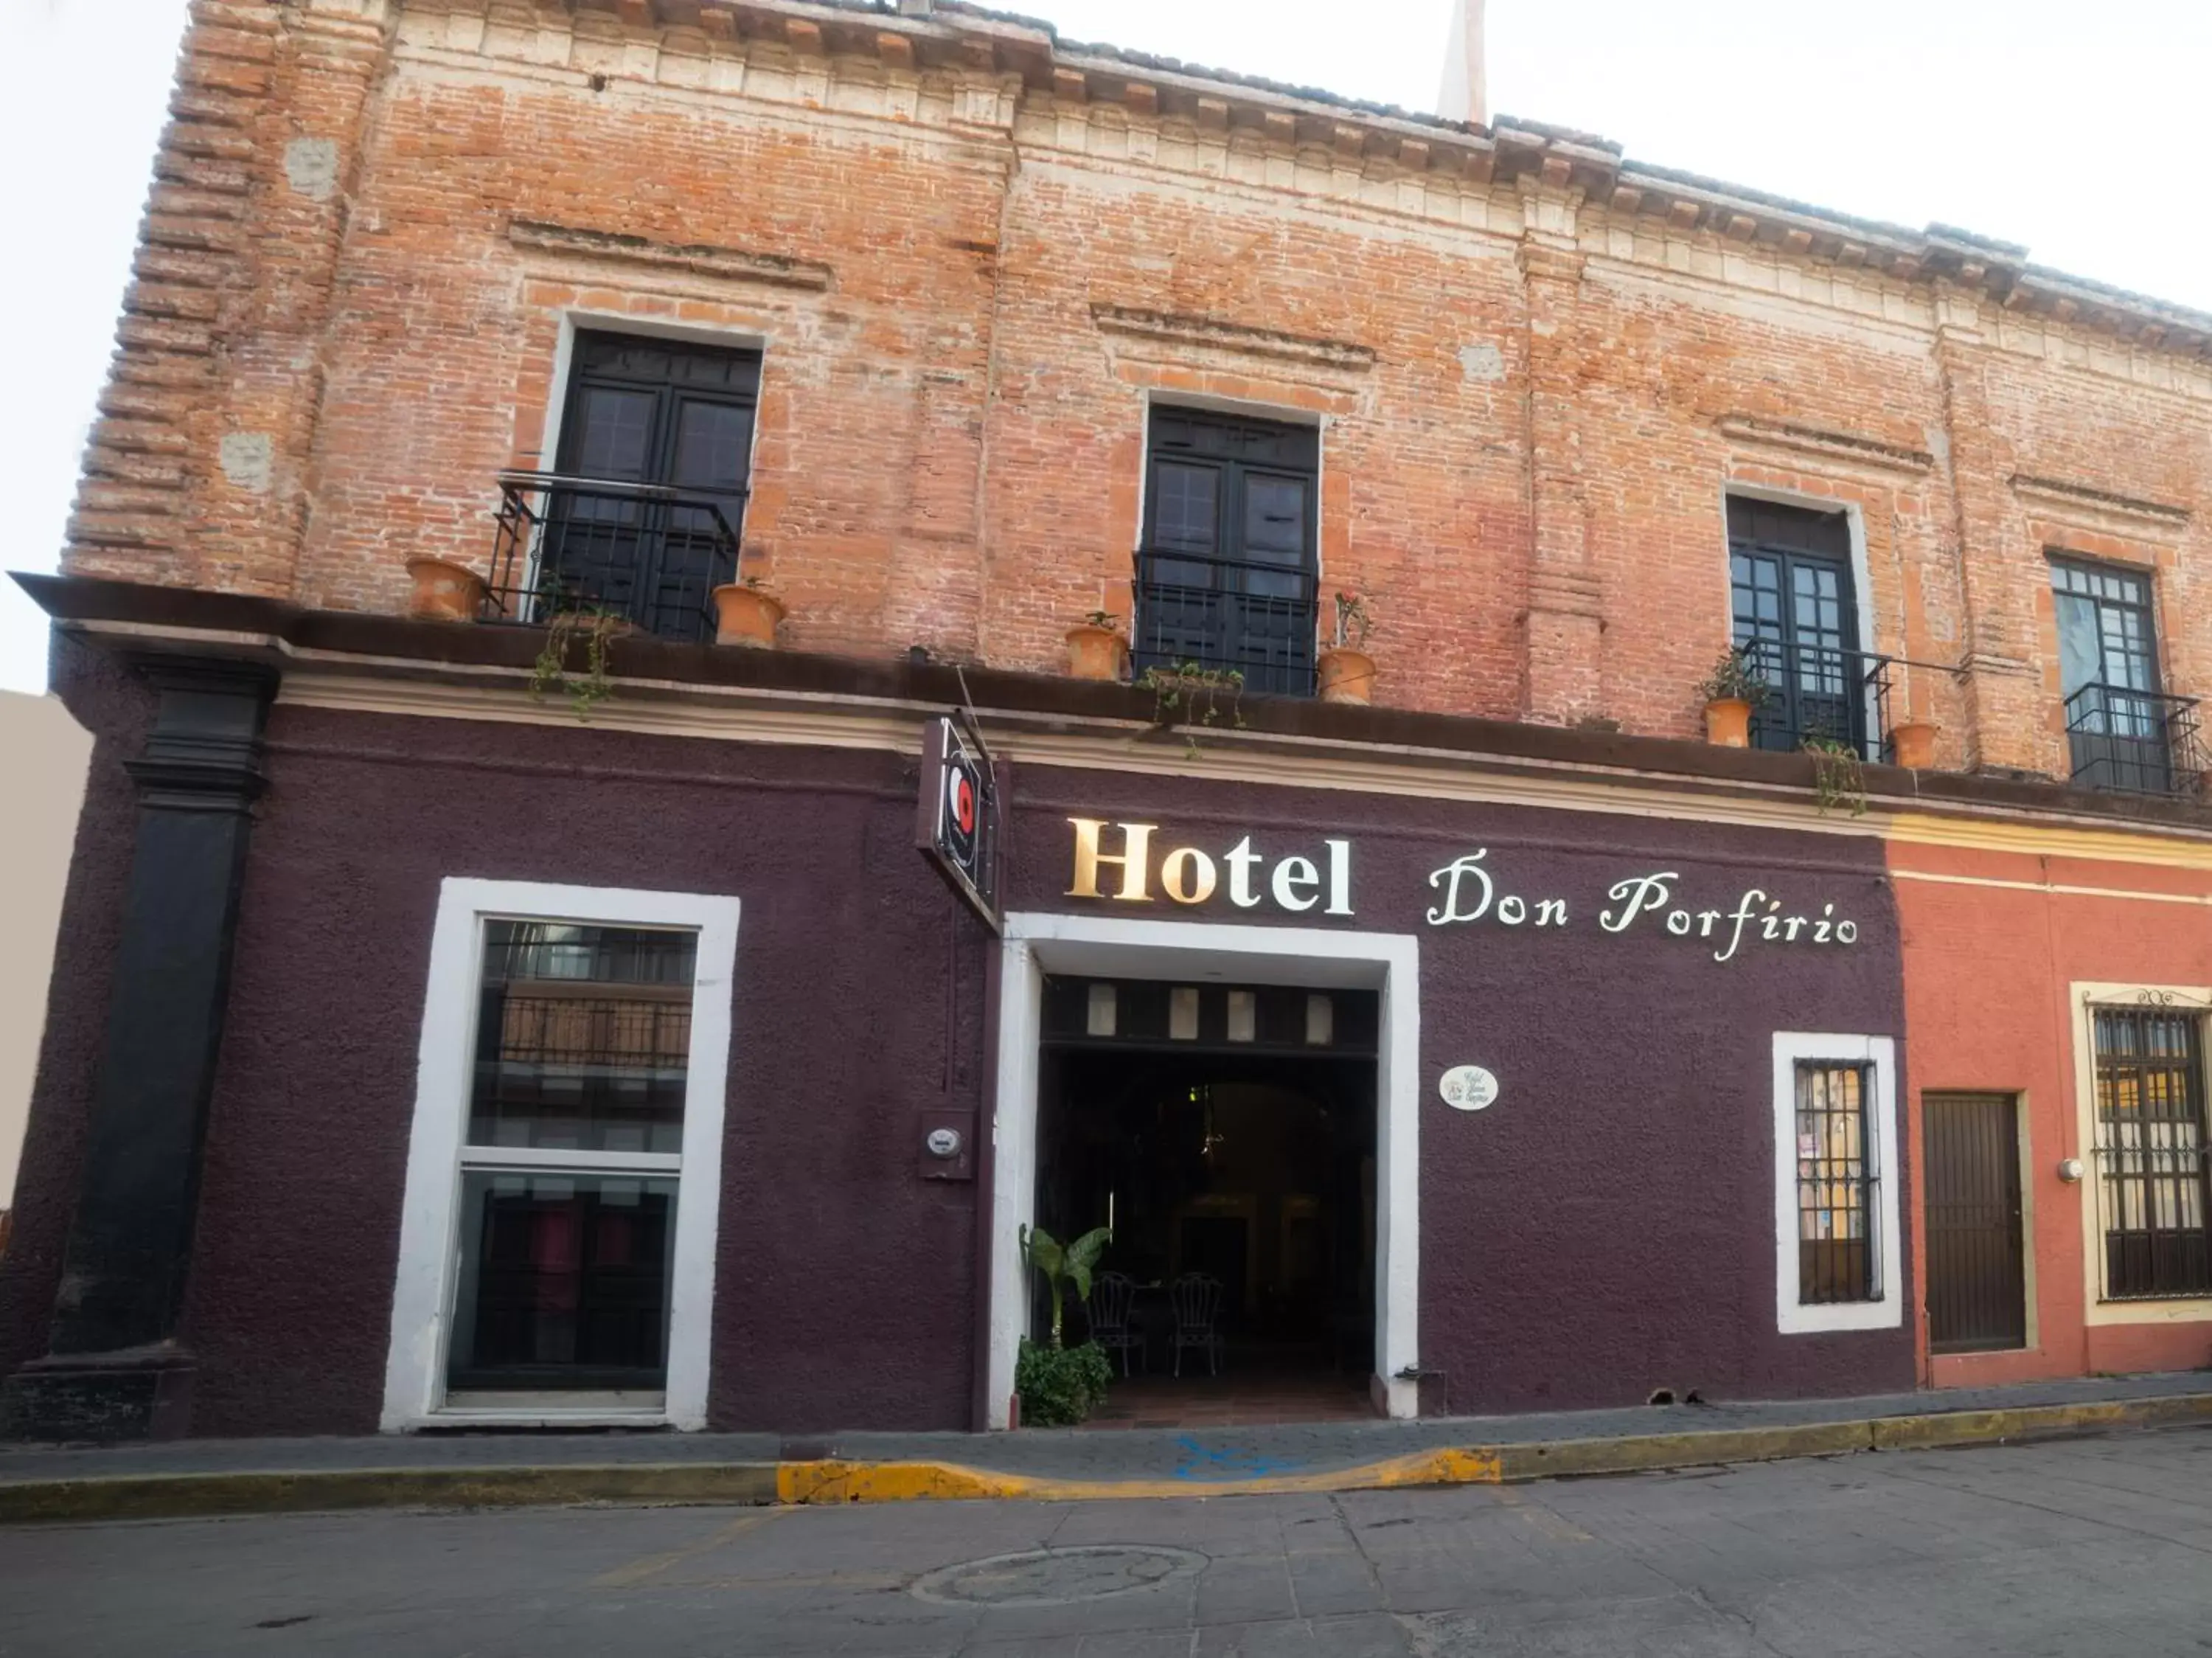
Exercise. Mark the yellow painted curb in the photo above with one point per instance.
(900, 1482)
(150, 1496)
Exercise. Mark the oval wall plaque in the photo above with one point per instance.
(1467, 1087)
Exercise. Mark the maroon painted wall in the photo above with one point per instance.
(1607, 1228)
(844, 1282)
(1603, 1230)
(118, 711)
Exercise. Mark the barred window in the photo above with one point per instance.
(1837, 1173)
(2150, 1153)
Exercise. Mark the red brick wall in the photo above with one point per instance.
(1536, 381)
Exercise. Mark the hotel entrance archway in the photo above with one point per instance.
(1227, 1135)
(1199, 955)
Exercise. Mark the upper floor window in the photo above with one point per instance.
(641, 516)
(2124, 732)
(1795, 616)
(1227, 574)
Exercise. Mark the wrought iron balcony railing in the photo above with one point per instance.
(1226, 615)
(2135, 742)
(646, 553)
(1821, 693)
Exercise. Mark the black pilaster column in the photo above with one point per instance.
(114, 1370)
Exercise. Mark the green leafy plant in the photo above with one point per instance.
(1063, 1265)
(1188, 693)
(567, 627)
(1838, 775)
(1059, 1386)
(1736, 679)
(1354, 622)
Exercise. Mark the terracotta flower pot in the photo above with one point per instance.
(1728, 723)
(746, 616)
(444, 591)
(1913, 744)
(1347, 675)
(1096, 653)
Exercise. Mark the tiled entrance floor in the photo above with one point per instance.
(1229, 1400)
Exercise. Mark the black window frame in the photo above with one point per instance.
(1824, 688)
(2163, 1166)
(1833, 1190)
(2124, 733)
(1224, 604)
(653, 546)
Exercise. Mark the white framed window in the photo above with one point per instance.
(1836, 1208)
(557, 1249)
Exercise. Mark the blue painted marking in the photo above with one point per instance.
(1202, 1462)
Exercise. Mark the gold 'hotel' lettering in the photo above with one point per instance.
(1188, 875)
(1135, 856)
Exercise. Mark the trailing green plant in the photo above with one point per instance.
(1736, 679)
(1059, 1386)
(1063, 1265)
(1187, 694)
(1838, 775)
(1354, 621)
(565, 627)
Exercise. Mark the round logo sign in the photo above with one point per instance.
(964, 805)
(1467, 1087)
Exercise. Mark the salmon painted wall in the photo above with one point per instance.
(1994, 942)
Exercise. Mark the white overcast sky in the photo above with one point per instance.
(2078, 129)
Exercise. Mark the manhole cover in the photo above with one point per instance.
(1043, 1577)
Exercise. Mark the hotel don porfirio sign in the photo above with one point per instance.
(1133, 863)
(956, 826)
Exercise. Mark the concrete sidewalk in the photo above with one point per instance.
(201, 1477)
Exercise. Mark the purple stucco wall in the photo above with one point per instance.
(1605, 1230)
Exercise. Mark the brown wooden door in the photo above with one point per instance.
(1977, 1296)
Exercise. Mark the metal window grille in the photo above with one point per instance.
(1837, 1174)
(2151, 1168)
(515, 950)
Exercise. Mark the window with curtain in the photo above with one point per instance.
(1837, 1171)
(2151, 1170)
(2115, 716)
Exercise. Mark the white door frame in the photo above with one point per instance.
(1195, 953)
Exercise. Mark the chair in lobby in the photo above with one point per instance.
(1112, 1297)
(1197, 1302)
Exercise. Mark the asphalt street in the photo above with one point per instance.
(2087, 1547)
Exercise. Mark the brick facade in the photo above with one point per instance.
(975, 253)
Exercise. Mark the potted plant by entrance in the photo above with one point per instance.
(1095, 649)
(1346, 671)
(1060, 1386)
(444, 591)
(1912, 744)
(746, 614)
(1733, 690)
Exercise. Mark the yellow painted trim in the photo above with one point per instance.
(2174, 848)
(2061, 889)
(2086, 996)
